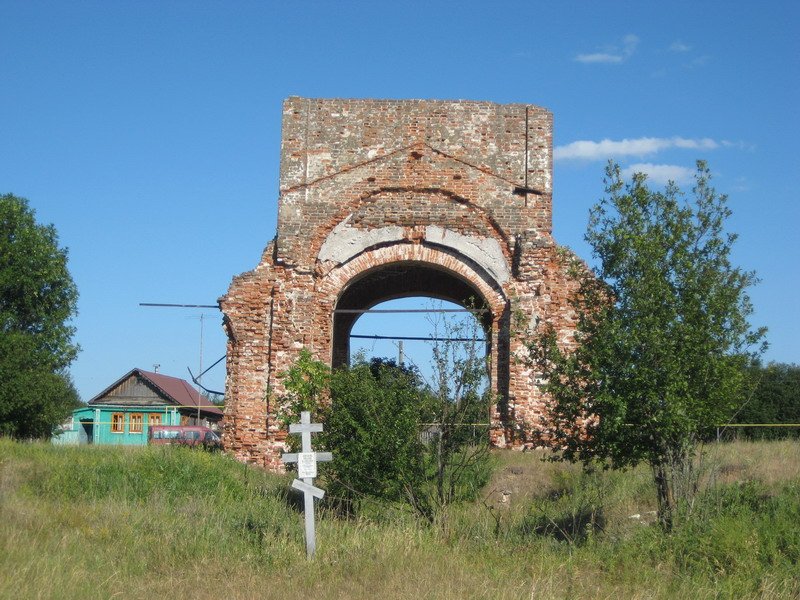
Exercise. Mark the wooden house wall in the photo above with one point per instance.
(132, 392)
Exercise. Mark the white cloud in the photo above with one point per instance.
(630, 41)
(738, 145)
(679, 46)
(700, 61)
(660, 174)
(599, 57)
(613, 55)
(605, 149)
(741, 184)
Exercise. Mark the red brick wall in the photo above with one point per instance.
(462, 187)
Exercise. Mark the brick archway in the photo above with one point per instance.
(404, 270)
(400, 280)
(382, 199)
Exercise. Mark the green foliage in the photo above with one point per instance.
(33, 399)
(573, 512)
(373, 430)
(167, 473)
(395, 438)
(775, 398)
(662, 335)
(37, 300)
(142, 510)
(95, 522)
(391, 436)
(306, 384)
(741, 528)
(458, 451)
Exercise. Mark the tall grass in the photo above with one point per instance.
(169, 522)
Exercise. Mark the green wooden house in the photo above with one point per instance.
(122, 413)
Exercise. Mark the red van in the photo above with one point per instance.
(184, 435)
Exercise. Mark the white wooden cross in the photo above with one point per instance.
(307, 461)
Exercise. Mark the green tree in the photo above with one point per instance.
(662, 335)
(307, 385)
(395, 438)
(373, 428)
(775, 399)
(37, 300)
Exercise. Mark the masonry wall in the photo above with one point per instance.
(458, 188)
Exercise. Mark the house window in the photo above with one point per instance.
(135, 425)
(154, 419)
(117, 423)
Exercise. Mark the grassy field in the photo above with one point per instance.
(162, 522)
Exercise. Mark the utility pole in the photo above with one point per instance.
(200, 376)
(201, 372)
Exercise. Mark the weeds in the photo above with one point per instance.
(573, 510)
(143, 523)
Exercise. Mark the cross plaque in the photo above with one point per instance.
(307, 461)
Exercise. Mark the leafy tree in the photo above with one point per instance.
(774, 399)
(307, 385)
(395, 438)
(662, 335)
(37, 300)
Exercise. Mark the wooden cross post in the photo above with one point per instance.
(307, 461)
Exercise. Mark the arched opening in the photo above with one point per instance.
(416, 285)
(417, 332)
(393, 280)
(403, 280)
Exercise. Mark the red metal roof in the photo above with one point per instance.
(180, 390)
(175, 389)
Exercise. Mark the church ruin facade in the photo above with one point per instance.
(381, 199)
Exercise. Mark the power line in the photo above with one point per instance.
(180, 305)
(360, 311)
(351, 311)
(415, 339)
(195, 380)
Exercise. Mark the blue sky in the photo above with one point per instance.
(149, 132)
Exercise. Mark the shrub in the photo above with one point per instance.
(373, 428)
(379, 412)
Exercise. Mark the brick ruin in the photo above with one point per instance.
(381, 199)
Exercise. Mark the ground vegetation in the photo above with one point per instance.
(149, 522)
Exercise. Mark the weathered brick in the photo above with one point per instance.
(404, 196)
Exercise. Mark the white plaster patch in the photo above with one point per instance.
(487, 252)
(346, 241)
(317, 162)
(547, 172)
